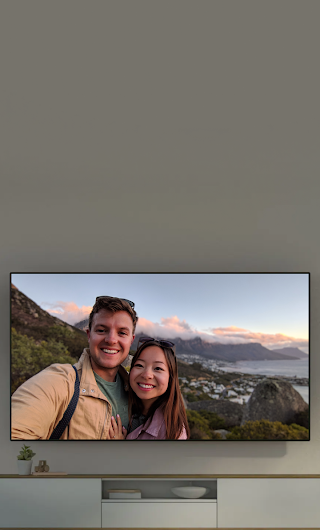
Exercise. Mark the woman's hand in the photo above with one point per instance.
(116, 431)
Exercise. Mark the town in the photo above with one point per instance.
(238, 390)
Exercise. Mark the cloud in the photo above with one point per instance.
(234, 335)
(175, 324)
(68, 311)
(169, 327)
(232, 329)
(172, 327)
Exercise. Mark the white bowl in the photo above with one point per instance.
(190, 492)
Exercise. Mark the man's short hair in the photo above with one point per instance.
(110, 303)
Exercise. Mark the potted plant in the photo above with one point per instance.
(25, 460)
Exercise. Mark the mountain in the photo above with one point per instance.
(28, 318)
(252, 351)
(293, 352)
(223, 352)
(83, 324)
(28, 313)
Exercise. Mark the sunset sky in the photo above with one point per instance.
(272, 309)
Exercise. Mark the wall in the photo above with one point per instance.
(160, 136)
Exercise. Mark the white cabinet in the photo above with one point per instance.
(231, 502)
(269, 503)
(159, 514)
(50, 503)
(159, 507)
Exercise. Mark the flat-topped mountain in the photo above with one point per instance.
(292, 352)
(216, 350)
(227, 352)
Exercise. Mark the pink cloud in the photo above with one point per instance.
(172, 327)
(69, 311)
(169, 327)
(234, 335)
(232, 329)
(175, 324)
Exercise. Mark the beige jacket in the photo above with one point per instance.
(39, 404)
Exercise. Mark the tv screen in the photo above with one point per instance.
(160, 356)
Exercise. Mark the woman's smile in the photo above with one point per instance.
(145, 387)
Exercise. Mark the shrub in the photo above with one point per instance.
(215, 421)
(198, 425)
(28, 357)
(268, 430)
(74, 339)
(203, 424)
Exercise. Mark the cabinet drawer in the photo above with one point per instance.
(159, 514)
(50, 503)
(269, 503)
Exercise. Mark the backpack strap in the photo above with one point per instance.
(64, 422)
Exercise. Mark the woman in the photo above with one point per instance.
(156, 407)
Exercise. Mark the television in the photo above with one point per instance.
(212, 357)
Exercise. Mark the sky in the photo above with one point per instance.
(272, 309)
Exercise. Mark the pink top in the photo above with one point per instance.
(153, 429)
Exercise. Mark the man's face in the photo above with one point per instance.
(109, 340)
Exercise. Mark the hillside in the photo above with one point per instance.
(28, 318)
(39, 339)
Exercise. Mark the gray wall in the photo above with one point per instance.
(160, 136)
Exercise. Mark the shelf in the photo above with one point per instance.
(177, 499)
(159, 490)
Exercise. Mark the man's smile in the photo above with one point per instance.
(110, 352)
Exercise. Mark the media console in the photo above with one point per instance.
(81, 501)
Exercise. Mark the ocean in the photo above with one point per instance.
(299, 368)
(290, 368)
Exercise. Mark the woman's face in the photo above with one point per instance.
(149, 377)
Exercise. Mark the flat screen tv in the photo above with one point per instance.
(119, 357)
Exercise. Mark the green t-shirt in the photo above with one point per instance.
(117, 397)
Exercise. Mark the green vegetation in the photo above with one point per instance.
(28, 357)
(203, 424)
(26, 453)
(74, 339)
(268, 430)
(201, 397)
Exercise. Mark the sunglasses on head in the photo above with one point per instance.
(163, 343)
(123, 299)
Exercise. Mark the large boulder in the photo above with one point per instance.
(228, 410)
(274, 400)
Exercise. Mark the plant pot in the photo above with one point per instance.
(24, 467)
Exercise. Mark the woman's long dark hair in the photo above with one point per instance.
(171, 401)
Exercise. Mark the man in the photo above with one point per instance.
(39, 404)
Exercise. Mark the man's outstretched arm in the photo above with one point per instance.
(38, 404)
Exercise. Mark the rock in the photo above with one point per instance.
(223, 433)
(274, 400)
(229, 411)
